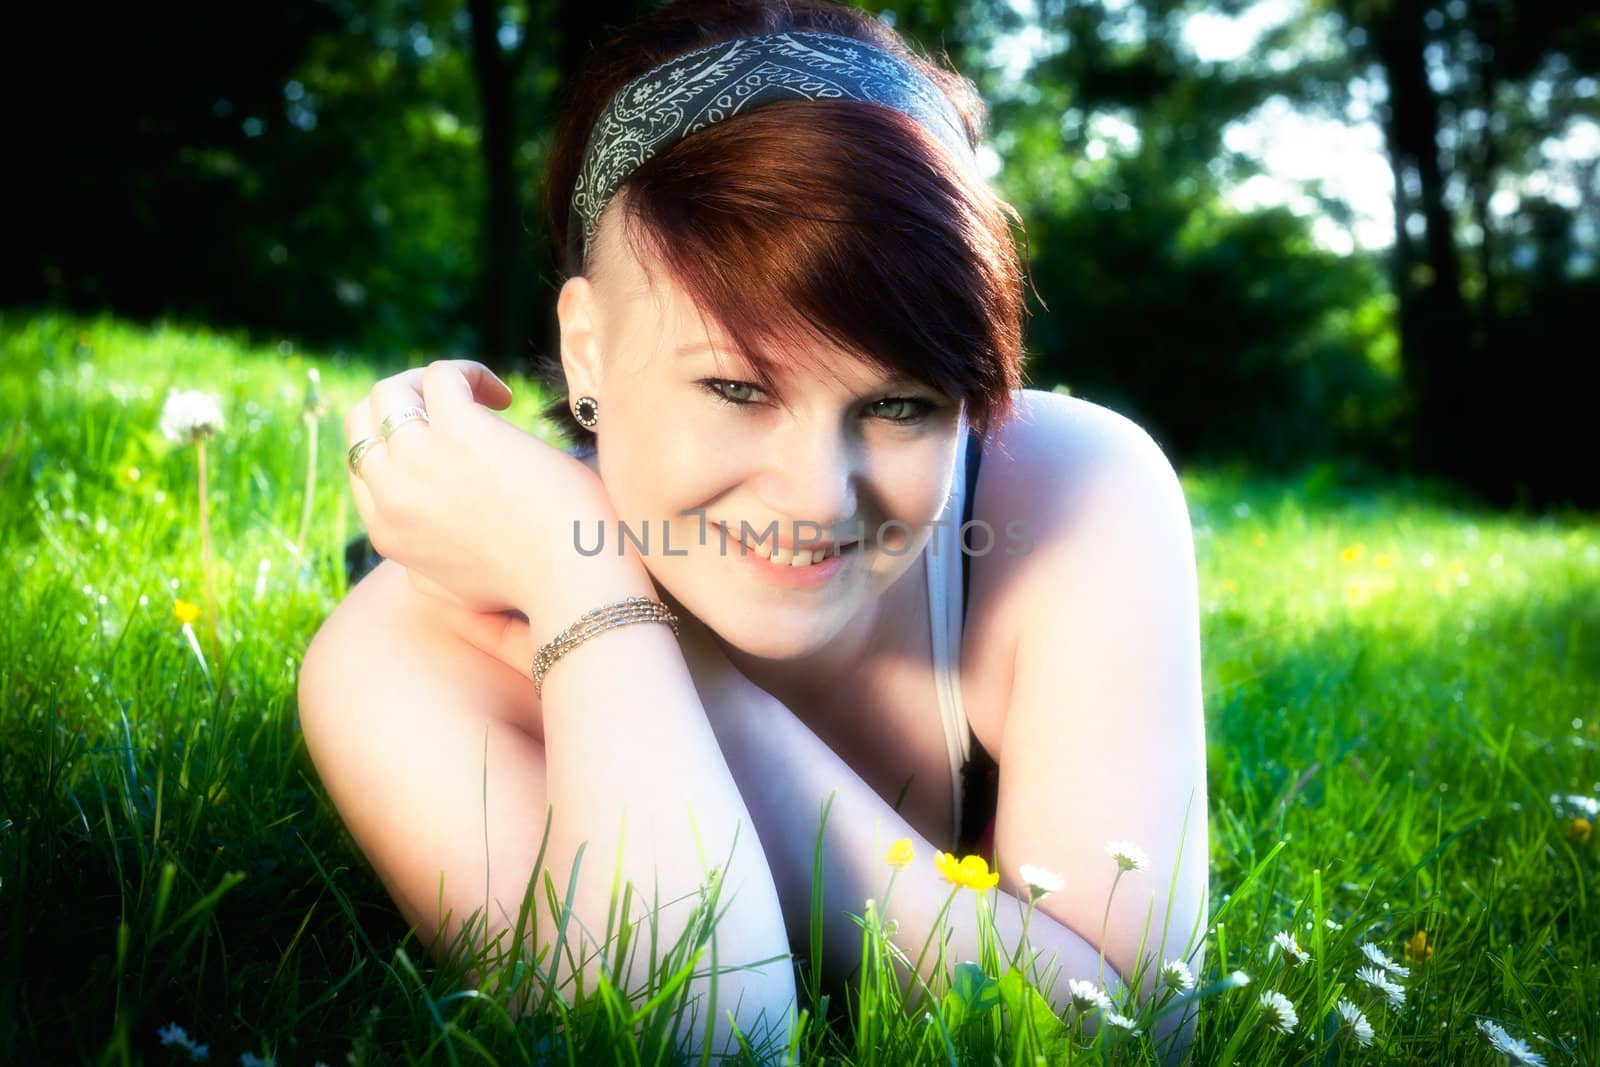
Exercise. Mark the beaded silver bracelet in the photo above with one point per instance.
(630, 610)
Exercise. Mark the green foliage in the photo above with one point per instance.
(1397, 687)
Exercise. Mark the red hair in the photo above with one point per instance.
(837, 221)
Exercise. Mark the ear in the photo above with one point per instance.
(579, 314)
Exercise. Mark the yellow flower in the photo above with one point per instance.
(1354, 552)
(1578, 829)
(1229, 585)
(1382, 560)
(900, 853)
(972, 872)
(1417, 948)
(184, 611)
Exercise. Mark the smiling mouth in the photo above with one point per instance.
(790, 556)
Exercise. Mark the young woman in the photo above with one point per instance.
(792, 319)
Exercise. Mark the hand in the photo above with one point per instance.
(465, 500)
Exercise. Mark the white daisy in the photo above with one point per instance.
(1277, 1012)
(1357, 1021)
(1086, 996)
(1375, 954)
(1129, 856)
(1380, 981)
(173, 1034)
(1292, 953)
(1175, 974)
(1518, 1051)
(1041, 883)
(1576, 804)
(1123, 1021)
(189, 415)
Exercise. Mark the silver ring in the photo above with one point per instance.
(405, 415)
(358, 451)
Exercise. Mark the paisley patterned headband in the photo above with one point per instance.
(691, 91)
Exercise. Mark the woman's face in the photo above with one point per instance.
(865, 458)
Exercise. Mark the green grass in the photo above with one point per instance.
(1396, 685)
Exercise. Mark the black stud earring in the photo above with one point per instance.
(587, 411)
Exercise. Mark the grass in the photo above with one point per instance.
(1397, 686)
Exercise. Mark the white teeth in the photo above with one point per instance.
(777, 554)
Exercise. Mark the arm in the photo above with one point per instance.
(626, 738)
(786, 773)
(1104, 740)
(634, 777)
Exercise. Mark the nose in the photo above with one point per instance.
(812, 477)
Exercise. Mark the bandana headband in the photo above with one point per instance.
(691, 91)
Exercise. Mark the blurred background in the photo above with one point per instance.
(1344, 238)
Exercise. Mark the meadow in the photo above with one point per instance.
(1403, 715)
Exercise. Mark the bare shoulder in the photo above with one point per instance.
(1050, 475)
(1054, 439)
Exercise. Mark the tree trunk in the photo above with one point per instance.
(1442, 368)
(504, 322)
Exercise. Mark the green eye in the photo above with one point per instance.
(720, 389)
(911, 410)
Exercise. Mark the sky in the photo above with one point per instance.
(1297, 150)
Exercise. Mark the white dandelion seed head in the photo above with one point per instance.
(1121, 1020)
(1086, 996)
(1176, 975)
(1375, 977)
(1040, 881)
(1357, 1021)
(1376, 955)
(1291, 950)
(1278, 1013)
(1572, 804)
(1129, 856)
(1516, 1050)
(189, 415)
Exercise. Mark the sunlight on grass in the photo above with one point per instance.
(1403, 709)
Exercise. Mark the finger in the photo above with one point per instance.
(484, 386)
(358, 424)
(446, 387)
(389, 397)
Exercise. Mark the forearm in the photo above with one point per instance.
(626, 736)
(786, 773)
